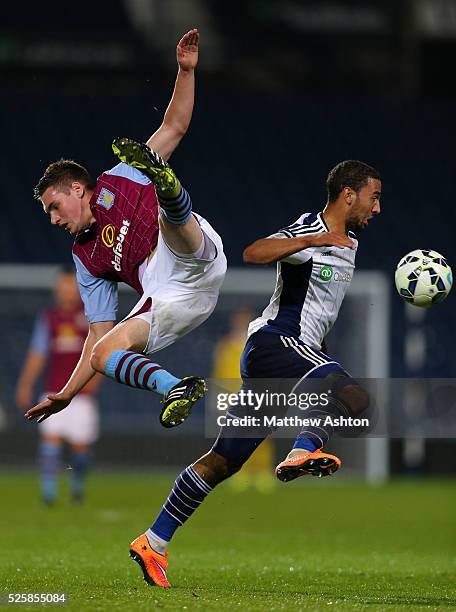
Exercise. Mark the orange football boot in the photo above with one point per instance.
(152, 563)
(299, 464)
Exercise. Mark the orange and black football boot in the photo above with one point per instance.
(152, 563)
(317, 463)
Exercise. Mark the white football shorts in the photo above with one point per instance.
(184, 291)
(78, 423)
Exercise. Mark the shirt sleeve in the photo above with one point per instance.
(40, 340)
(297, 258)
(99, 295)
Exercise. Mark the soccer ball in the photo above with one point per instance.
(423, 277)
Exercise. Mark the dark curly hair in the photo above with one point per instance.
(350, 173)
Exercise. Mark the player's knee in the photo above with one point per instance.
(98, 357)
(355, 397)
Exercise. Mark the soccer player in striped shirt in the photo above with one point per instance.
(315, 259)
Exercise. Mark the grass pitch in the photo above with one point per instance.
(307, 545)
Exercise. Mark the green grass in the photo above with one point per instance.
(306, 546)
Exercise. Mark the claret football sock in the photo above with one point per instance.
(137, 370)
(188, 492)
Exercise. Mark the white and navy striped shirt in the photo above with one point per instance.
(311, 285)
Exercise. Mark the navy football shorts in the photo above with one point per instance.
(282, 360)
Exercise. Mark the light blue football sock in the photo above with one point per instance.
(137, 370)
(80, 461)
(49, 460)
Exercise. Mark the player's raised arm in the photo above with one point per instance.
(81, 375)
(179, 112)
(270, 250)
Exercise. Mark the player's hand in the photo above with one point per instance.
(187, 50)
(54, 403)
(331, 239)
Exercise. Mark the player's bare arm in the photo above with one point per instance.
(81, 375)
(270, 250)
(33, 367)
(179, 112)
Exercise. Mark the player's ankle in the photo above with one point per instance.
(156, 543)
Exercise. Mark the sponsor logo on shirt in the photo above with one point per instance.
(326, 273)
(117, 250)
(107, 235)
(106, 198)
(344, 277)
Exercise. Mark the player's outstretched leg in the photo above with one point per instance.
(173, 198)
(307, 456)
(190, 489)
(140, 156)
(179, 228)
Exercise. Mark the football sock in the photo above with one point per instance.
(175, 204)
(80, 463)
(137, 370)
(188, 492)
(313, 437)
(306, 443)
(158, 544)
(49, 460)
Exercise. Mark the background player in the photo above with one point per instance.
(137, 226)
(256, 472)
(284, 343)
(56, 344)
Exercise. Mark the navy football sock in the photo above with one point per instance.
(316, 436)
(188, 492)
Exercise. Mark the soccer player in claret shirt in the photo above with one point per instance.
(315, 262)
(137, 226)
(55, 347)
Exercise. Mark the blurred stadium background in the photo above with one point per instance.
(285, 91)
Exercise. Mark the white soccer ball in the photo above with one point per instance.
(423, 277)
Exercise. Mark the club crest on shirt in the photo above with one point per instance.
(106, 198)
